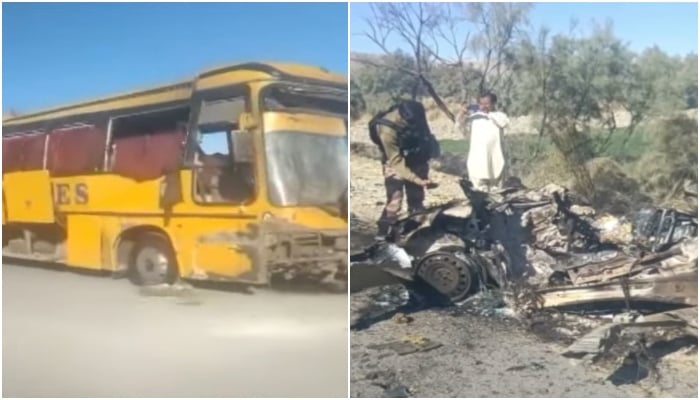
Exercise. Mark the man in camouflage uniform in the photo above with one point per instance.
(404, 138)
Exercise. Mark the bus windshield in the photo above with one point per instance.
(305, 98)
(306, 168)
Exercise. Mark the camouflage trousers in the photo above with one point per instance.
(395, 189)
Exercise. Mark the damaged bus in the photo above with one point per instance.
(238, 175)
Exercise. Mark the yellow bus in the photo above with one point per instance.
(237, 175)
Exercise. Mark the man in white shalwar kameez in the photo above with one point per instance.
(486, 163)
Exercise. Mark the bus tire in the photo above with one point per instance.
(152, 261)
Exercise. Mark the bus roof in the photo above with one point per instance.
(181, 91)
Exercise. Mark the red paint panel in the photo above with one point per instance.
(148, 156)
(23, 153)
(76, 151)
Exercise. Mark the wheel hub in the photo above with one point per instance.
(447, 273)
(151, 265)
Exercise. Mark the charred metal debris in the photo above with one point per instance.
(547, 251)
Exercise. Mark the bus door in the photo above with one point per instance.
(224, 186)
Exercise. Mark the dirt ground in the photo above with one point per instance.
(72, 335)
(478, 356)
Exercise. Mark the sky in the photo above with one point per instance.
(55, 53)
(671, 26)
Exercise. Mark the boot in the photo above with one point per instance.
(382, 230)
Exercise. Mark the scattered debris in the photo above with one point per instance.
(532, 365)
(408, 345)
(178, 289)
(388, 381)
(401, 318)
(546, 257)
(396, 392)
(182, 292)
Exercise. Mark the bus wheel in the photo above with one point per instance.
(153, 261)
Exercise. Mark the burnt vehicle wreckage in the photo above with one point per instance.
(568, 258)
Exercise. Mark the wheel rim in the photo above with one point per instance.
(152, 266)
(447, 274)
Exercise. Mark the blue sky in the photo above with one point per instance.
(54, 53)
(671, 26)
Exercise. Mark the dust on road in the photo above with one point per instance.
(71, 335)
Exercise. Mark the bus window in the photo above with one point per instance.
(24, 152)
(215, 143)
(219, 178)
(147, 146)
(76, 150)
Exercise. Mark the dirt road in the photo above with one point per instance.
(493, 357)
(70, 335)
(478, 356)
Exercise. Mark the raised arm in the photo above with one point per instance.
(499, 118)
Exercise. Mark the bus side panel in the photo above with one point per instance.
(213, 248)
(111, 229)
(220, 260)
(84, 241)
(28, 197)
(106, 194)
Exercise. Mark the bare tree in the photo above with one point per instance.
(425, 27)
(450, 31)
(498, 26)
(415, 24)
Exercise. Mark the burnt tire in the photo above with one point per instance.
(152, 261)
(448, 274)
